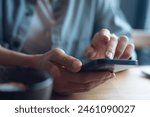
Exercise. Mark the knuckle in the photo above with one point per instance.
(101, 36)
(56, 50)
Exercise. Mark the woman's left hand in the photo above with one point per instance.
(107, 45)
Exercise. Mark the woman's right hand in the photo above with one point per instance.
(65, 72)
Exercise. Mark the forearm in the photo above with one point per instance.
(12, 58)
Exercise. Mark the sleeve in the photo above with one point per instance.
(15, 17)
(109, 15)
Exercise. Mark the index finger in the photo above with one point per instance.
(99, 43)
(111, 47)
(101, 37)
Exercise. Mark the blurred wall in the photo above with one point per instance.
(129, 8)
(136, 12)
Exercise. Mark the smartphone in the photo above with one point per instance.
(108, 65)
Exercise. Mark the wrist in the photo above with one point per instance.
(32, 61)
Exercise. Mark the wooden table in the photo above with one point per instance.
(130, 84)
(141, 38)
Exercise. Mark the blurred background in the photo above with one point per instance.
(137, 13)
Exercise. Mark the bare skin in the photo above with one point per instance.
(65, 69)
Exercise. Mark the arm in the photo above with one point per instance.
(12, 58)
(62, 67)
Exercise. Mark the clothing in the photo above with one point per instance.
(39, 33)
(70, 24)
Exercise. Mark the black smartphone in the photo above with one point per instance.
(108, 65)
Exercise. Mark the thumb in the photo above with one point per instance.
(60, 58)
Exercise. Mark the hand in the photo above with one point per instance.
(64, 69)
(106, 45)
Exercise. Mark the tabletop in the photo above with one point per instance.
(128, 85)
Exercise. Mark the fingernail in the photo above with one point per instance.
(109, 55)
(76, 65)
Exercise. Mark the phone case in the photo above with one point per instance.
(108, 65)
